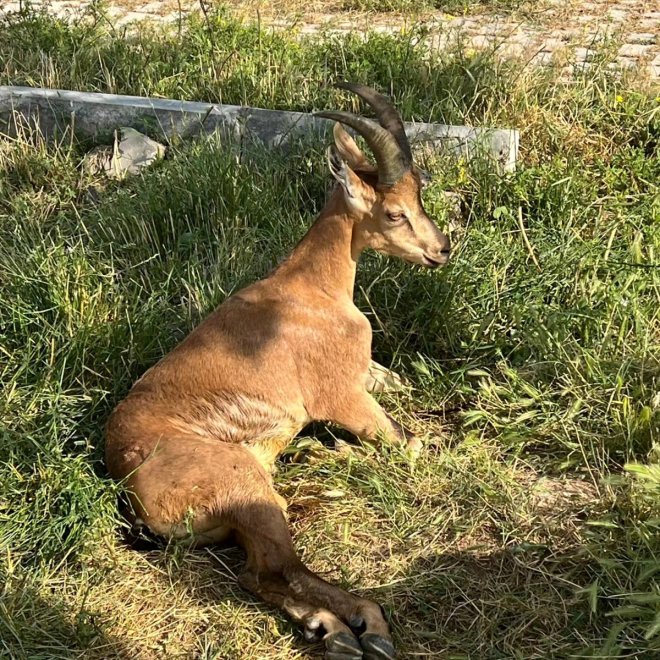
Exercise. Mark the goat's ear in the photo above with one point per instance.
(356, 193)
(349, 150)
(341, 171)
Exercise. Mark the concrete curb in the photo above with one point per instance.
(95, 116)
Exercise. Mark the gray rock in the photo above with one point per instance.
(131, 152)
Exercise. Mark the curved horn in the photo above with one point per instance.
(388, 116)
(391, 161)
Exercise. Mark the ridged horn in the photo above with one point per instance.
(387, 114)
(390, 159)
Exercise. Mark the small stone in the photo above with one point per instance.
(136, 150)
(132, 153)
(97, 160)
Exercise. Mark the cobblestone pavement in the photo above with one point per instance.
(567, 30)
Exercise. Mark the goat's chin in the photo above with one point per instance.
(415, 258)
(423, 260)
(432, 263)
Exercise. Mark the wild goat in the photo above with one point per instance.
(197, 436)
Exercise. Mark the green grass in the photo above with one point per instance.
(448, 6)
(518, 533)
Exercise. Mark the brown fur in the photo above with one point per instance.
(197, 435)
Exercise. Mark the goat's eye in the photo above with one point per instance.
(396, 217)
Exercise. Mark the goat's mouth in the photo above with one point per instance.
(435, 263)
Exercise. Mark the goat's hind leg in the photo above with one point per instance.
(275, 573)
(212, 488)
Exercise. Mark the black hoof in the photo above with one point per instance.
(376, 647)
(342, 646)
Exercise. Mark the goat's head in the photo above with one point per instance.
(385, 198)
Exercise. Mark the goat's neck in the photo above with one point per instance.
(326, 258)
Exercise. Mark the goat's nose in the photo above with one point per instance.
(444, 248)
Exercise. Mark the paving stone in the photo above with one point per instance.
(552, 44)
(513, 49)
(583, 54)
(618, 15)
(624, 63)
(497, 29)
(543, 58)
(584, 19)
(636, 50)
(114, 12)
(635, 22)
(481, 41)
(172, 17)
(435, 42)
(523, 44)
(642, 38)
(470, 25)
(153, 8)
(132, 17)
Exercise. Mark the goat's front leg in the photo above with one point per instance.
(363, 416)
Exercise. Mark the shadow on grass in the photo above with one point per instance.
(34, 626)
(468, 604)
(505, 603)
